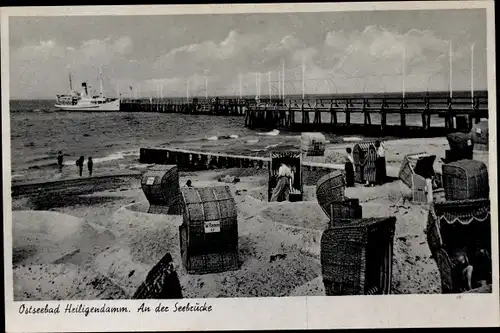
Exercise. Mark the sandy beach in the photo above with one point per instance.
(106, 243)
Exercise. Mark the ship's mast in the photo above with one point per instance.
(70, 83)
(100, 80)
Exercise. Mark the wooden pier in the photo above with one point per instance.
(215, 106)
(319, 114)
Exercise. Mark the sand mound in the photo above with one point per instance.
(149, 236)
(298, 214)
(117, 264)
(260, 193)
(41, 237)
(143, 243)
(62, 282)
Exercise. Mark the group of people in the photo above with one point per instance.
(79, 163)
(285, 175)
(380, 175)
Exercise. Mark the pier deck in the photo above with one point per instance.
(318, 114)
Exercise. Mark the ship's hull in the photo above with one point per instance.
(109, 106)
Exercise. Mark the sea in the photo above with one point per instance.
(113, 139)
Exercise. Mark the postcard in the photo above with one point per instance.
(250, 166)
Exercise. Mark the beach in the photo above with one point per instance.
(91, 238)
(120, 242)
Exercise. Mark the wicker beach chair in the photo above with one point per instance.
(465, 226)
(480, 138)
(461, 147)
(479, 133)
(330, 193)
(417, 172)
(356, 257)
(209, 232)
(161, 282)
(160, 185)
(313, 144)
(293, 158)
(465, 179)
(364, 155)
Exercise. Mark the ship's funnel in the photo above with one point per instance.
(84, 86)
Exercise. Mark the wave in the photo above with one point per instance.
(111, 157)
(271, 146)
(222, 137)
(352, 139)
(271, 133)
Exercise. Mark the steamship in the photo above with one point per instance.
(83, 101)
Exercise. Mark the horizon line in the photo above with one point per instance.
(266, 96)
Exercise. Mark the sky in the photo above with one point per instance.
(176, 55)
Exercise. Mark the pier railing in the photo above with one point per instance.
(462, 103)
(459, 113)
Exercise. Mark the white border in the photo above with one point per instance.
(263, 313)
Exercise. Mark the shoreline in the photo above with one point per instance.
(128, 160)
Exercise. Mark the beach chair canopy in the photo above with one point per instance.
(313, 144)
(424, 166)
(160, 185)
(421, 164)
(209, 232)
(292, 158)
(480, 132)
(461, 226)
(361, 151)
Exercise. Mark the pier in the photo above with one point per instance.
(322, 114)
(416, 114)
(215, 106)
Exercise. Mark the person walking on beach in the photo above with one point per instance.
(283, 187)
(79, 164)
(349, 168)
(380, 164)
(60, 159)
(90, 165)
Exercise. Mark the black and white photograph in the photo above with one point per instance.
(246, 153)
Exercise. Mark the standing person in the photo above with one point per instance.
(60, 160)
(90, 165)
(349, 168)
(282, 189)
(79, 164)
(380, 163)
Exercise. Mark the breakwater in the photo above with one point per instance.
(189, 160)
